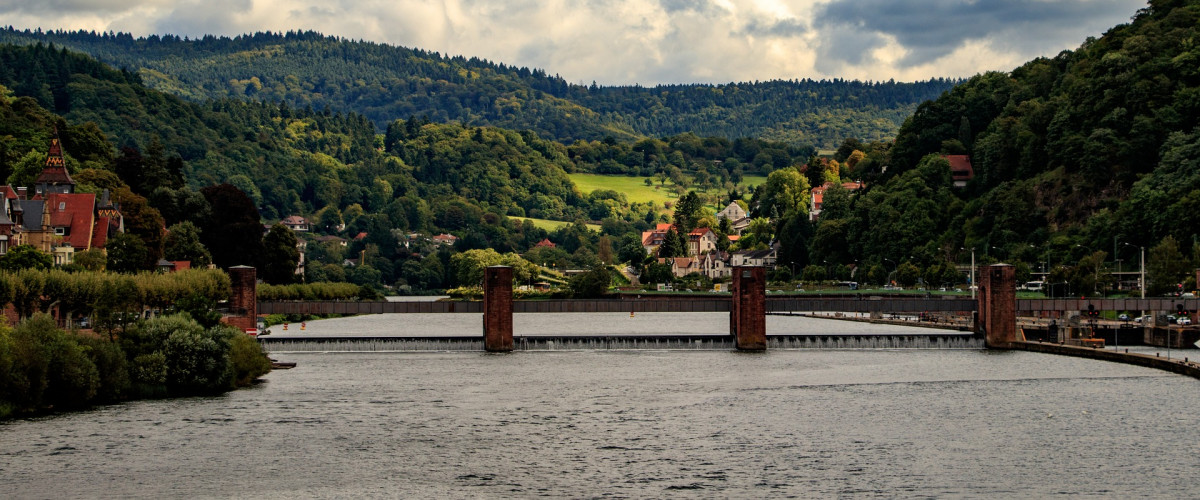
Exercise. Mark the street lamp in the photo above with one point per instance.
(972, 285)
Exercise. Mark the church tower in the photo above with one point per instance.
(54, 178)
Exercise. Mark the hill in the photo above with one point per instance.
(385, 83)
(1079, 158)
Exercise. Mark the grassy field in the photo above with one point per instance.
(551, 225)
(635, 188)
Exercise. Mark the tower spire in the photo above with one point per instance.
(54, 177)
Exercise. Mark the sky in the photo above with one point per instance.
(646, 42)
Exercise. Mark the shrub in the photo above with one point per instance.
(247, 358)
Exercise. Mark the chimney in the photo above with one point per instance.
(22, 193)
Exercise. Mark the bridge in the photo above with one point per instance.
(993, 312)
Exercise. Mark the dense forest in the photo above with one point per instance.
(224, 166)
(1079, 160)
(1090, 151)
(385, 83)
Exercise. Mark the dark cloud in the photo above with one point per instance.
(834, 54)
(673, 6)
(930, 29)
(784, 28)
(68, 6)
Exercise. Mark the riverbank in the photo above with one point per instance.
(1184, 366)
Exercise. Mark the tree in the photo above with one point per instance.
(688, 211)
(1165, 267)
(234, 232)
(92, 259)
(907, 274)
(786, 193)
(591, 284)
(183, 243)
(25, 257)
(126, 253)
(631, 249)
(280, 255)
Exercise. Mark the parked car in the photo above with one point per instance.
(1123, 317)
(1183, 321)
(1171, 319)
(1143, 319)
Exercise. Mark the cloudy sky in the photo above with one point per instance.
(644, 41)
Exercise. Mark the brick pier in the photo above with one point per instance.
(997, 306)
(497, 309)
(747, 311)
(243, 304)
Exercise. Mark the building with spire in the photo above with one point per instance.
(56, 220)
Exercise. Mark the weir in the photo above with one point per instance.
(622, 342)
(995, 310)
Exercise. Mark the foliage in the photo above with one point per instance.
(44, 367)
(183, 243)
(591, 284)
(25, 257)
(280, 255)
(383, 82)
(309, 291)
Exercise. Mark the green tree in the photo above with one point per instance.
(1165, 267)
(688, 211)
(591, 284)
(907, 274)
(183, 243)
(126, 253)
(25, 257)
(280, 255)
(787, 193)
(92, 259)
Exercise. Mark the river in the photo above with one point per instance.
(635, 424)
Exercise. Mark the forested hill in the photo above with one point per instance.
(385, 83)
(1094, 147)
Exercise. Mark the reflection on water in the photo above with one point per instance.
(928, 423)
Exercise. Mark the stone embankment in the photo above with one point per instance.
(1180, 365)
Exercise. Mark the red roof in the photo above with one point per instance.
(294, 220)
(545, 243)
(100, 232)
(74, 212)
(960, 167)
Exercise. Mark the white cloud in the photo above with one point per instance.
(636, 41)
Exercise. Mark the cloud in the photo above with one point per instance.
(927, 30)
(633, 41)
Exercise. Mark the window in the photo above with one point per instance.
(60, 231)
(62, 205)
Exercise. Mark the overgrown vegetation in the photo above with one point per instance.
(44, 368)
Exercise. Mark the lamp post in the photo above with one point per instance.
(895, 267)
(1142, 267)
(972, 279)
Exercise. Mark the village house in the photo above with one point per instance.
(701, 241)
(654, 238)
(764, 258)
(818, 196)
(296, 223)
(961, 171)
(739, 220)
(56, 220)
(545, 243)
(445, 239)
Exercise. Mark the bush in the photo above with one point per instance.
(197, 359)
(247, 358)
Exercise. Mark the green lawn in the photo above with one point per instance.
(635, 188)
(551, 225)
